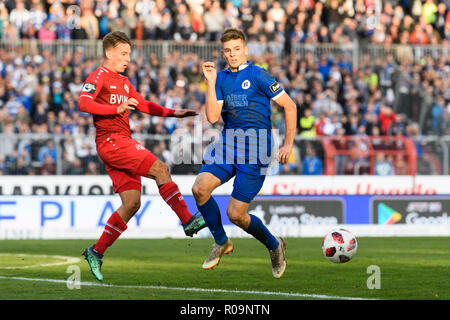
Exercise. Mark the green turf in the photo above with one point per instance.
(411, 268)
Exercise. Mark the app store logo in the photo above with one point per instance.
(387, 215)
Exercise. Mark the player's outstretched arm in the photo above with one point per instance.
(160, 111)
(290, 115)
(183, 113)
(149, 107)
(155, 109)
(213, 107)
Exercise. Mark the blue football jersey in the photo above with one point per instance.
(246, 113)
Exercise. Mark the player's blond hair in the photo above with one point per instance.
(113, 38)
(232, 34)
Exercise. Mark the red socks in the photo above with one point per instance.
(172, 196)
(115, 225)
(113, 229)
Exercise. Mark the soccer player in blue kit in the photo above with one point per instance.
(241, 94)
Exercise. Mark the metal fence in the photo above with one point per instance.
(39, 154)
(353, 51)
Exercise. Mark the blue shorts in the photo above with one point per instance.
(246, 186)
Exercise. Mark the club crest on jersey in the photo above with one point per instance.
(89, 88)
(139, 147)
(246, 84)
(126, 88)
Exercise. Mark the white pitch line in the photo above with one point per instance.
(66, 260)
(252, 292)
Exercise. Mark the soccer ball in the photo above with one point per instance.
(339, 245)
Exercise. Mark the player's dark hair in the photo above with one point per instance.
(232, 34)
(113, 38)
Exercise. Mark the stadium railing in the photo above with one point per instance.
(364, 152)
(400, 51)
(427, 155)
(352, 51)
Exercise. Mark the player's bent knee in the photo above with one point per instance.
(165, 170)
(132, 205)
(200, 192)
(160, 171)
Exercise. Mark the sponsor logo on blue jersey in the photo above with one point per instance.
(236, 100)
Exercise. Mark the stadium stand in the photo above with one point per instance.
(367, 70)
(310, 21)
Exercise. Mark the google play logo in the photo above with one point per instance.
(387, 215)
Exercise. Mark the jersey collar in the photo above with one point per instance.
(111, 73)
(242, 66)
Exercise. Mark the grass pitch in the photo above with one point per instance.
(170, 269)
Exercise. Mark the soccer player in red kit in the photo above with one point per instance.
(109, 97)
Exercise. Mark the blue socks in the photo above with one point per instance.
(211, 214)
(258, 230)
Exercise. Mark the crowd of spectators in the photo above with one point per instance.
(283, 21)
(385, 96)
(39, 94)
(381, 98)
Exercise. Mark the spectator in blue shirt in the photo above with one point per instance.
(436, 113)
(312, 165)
(48, 149)
(383, 167)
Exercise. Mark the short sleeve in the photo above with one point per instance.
(267, 84)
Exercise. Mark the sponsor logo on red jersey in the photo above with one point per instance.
(117, 99)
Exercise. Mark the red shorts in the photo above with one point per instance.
(126, 161)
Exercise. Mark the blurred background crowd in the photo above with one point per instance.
(286, 21)
(386, 96)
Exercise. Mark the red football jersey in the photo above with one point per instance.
(103, 92)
